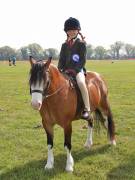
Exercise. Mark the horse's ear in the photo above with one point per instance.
(32, 61)
(47, 64)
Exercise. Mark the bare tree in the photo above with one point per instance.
(129, 50)
(118, 45)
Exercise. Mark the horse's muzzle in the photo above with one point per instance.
(36, 105)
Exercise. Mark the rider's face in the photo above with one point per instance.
(72, 33)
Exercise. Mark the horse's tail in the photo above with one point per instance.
(99, 119)
(106, 122)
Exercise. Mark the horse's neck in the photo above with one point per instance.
(57, 80)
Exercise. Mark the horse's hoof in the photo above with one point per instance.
(88, 145)
(48, 167)
(113, 142)
(69, 169)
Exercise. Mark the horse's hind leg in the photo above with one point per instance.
(67, 145)
(50, 157)
(110, 122)
(89, 140)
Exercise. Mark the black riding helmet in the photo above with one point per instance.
(72, 24)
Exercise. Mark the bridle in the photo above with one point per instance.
(47, 85)
(44, 92)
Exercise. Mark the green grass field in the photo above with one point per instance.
(23, 149)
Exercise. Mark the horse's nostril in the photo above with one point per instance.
(39, 105)
(36, 105)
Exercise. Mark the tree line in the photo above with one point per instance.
(22, 54)
(118, 50)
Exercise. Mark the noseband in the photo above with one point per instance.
(36, 90)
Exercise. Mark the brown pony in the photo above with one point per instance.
(56, 99)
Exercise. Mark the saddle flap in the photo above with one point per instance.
(73, 84)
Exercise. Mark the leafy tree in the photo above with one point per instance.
(23, 51)
(36, 51)
(6, 52)
(99, 52)
(89, 51)
(51, 52)
(19, 54)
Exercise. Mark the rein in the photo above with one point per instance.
(47, 87)
(49, 95)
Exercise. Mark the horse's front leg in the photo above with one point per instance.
(89, 140)
(67, 145)
(50, 157)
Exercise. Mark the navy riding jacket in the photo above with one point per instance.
(72, 57)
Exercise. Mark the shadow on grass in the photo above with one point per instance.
(124, 171)
(35, 169)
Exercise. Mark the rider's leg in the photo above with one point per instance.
(80, 78)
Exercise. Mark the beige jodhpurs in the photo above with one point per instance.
(80, 78)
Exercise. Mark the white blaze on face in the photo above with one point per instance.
(37, 97)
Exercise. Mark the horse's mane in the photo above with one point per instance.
(55, 70)
(53, 66)
(37, 73)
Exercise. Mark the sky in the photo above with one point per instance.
(103, 22)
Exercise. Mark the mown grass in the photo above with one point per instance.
(23, 149)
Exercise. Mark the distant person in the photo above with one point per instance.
(10, 63)
(14, 60)
(73, 59)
